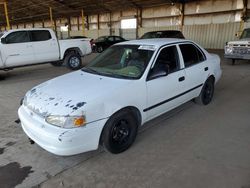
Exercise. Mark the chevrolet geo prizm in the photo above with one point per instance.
(127, 85)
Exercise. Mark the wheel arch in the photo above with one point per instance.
(133, 110)
(212, 77)
(74, 50)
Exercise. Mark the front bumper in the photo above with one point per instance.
(237, 56)
(57, 140)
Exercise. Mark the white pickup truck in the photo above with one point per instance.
(240, 49)
(24, 47)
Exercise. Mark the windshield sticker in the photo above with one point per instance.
(147, 47)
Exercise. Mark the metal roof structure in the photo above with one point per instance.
(33, 10)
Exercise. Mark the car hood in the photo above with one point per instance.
(70, 93)
(240, 42)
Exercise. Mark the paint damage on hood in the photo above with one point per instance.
(70, 94)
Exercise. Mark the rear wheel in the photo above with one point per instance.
(119, 132)
(73, 61)
(99, 49)
(207, 93)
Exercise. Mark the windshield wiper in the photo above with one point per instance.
(87, 69)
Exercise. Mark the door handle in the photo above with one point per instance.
(206, 69)
(181, 78)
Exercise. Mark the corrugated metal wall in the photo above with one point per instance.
(212, 36)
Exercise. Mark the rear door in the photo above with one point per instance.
(165, 92)
(196, 68)
(45, 46)
(18, 49)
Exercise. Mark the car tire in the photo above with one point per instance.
(57, 63)
(73, 61)
(99, 49)
(207, 93)
(119, 132)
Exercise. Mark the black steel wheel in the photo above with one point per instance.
(207, 93)
(119, 132)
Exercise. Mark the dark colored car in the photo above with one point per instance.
(163, 34)
(102, 43)
(77, 37)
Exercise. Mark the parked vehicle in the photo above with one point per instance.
(127, 85)
(102, 43)
(163, 34)
(23, 47)
(239, 49)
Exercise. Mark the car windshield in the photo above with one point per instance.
(245, 34)
(122, 61)
(1, 34)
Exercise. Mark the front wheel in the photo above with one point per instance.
(207, 93)
(119, 132)
(73, 61)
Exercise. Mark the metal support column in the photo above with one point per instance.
(83, 23)
(6, 15)
(51, 18)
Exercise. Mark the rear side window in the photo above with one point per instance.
(17, 37)
(191, 54)
(118, 38)
(111, 39)
(42, 35)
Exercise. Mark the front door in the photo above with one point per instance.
(18, 49)
(163, 92)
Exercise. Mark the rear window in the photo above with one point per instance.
(42, 35)
(163, 34)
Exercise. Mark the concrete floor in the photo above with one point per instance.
(190, 147)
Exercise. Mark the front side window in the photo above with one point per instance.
(40, 35)
(191, 54)
(17, 37)
(121, 61)
(168, 60)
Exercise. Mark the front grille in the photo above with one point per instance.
(241, 50)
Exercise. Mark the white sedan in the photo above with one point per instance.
(127, 85)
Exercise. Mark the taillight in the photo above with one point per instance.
(91, 42)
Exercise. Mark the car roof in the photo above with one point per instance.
(164, 31)
(29, 29)
(157, 42)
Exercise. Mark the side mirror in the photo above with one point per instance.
(157, 73)
(237, 35)
(3, 40)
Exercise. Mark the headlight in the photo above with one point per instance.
(66, 122)
(24, 101)
(228, 49)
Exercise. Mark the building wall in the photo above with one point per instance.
(210, 23)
